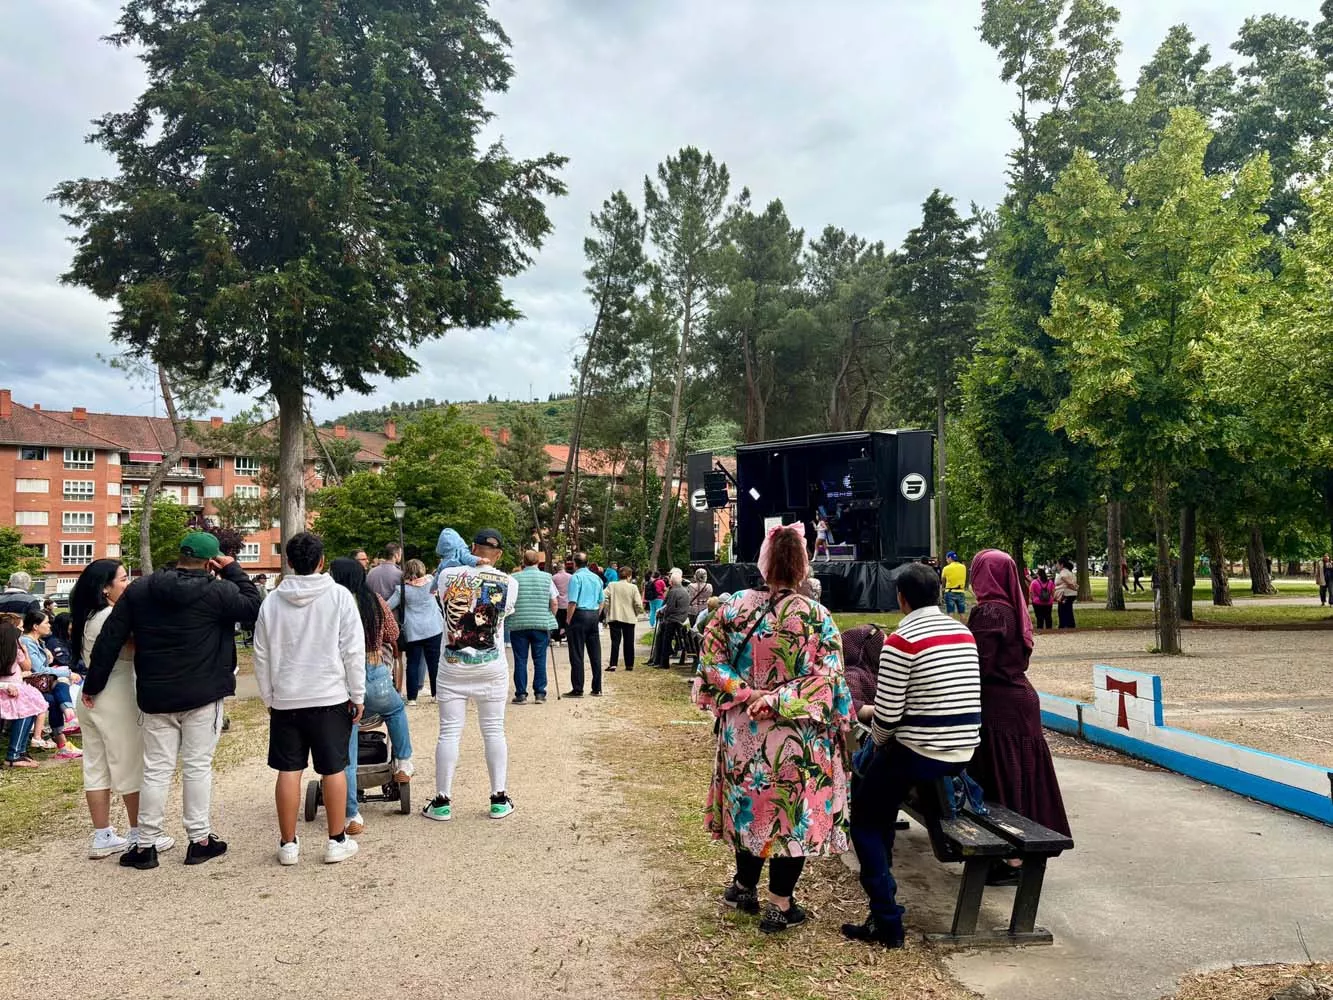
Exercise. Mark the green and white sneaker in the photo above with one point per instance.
(501, 805)
(438, 809)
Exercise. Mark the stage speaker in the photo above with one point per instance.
(702, 541)
(715, 489)
(863, 478)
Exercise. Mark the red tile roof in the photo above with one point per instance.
(133, 433)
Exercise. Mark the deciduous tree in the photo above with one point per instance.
(301, 198)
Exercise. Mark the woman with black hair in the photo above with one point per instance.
(112, 734)
(53, 684)
(382, 699)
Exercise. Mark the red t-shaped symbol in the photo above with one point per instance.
(1122, 688)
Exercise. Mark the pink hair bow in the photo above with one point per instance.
(796, 526)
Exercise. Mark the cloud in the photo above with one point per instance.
(851, 113)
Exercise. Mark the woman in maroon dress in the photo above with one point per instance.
(1013, 763)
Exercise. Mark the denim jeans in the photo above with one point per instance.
(955, 602)
(423, 660)
(536, 641)
(20, 734)
(384, 701)
(890, 774)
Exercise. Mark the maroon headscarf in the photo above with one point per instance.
(995, 580)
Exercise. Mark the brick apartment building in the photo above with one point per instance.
(68, 480)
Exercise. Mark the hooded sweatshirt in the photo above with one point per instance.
(310, 648)
(183, 623)
(453, 551)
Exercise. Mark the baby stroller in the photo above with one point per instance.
(374, 773)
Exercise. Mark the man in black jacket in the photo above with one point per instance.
(183, 622)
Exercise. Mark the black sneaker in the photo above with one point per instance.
(142, 858)
(775, 920)
(740, 898)
(520, 699)
(611, 669)
(197, 853)
(573, 694)
(540, 699)
(874, 932)
(597, 694)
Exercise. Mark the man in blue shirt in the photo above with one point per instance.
(585, 637)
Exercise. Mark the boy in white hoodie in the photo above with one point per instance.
(310, 665)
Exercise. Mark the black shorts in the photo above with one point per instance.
(297, 735)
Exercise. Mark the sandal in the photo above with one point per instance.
(24, 761)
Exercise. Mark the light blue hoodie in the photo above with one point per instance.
(453, 551)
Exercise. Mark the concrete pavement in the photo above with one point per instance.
(1169, 876)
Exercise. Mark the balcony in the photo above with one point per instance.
(129, 504)
(144, 471)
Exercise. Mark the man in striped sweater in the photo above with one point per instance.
(927, 724)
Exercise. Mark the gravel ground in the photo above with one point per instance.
(533, 906)
(1269, 690)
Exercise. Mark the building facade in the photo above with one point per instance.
(69, 481)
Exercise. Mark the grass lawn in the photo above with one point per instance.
(661, 755)
(1203, 590)
(1094, 617)
(38, 802)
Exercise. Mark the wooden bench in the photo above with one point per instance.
(976, 840)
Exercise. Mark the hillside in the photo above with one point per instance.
(556, 416)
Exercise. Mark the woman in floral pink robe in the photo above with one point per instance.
(779, 789)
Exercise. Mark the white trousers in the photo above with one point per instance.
(190, 737)
(487, 685)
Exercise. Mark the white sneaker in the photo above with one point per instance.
(106, 843)
(336, 851)
(162, 843)
(289, 854)
(411, 703)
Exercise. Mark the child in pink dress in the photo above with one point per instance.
(21, 704)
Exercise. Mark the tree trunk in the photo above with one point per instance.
(1115, 555)
(941, 490)
(159, 475)
(1081, 557)
(1168, 611)
(1189, 536)
(1016, 550)
(1328, 505)
(1218, 566)
(1261, 580)
(752, 421)
(291, 459)
(673, 426)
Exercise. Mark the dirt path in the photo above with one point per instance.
(533, 906)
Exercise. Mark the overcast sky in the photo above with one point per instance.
(850, 111)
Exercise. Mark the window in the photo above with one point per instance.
(113, 550)
(31, 517)
(212, 492)
(79, 489)
(29, 454)
(79, 458)
(113, 520)
(76, 553)
(77, 522)
(246, 493)
(38, 550)
(247, 466)
(113, 489)
(32, 485)
(113, 458)
(277, 549)
(249, 553)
